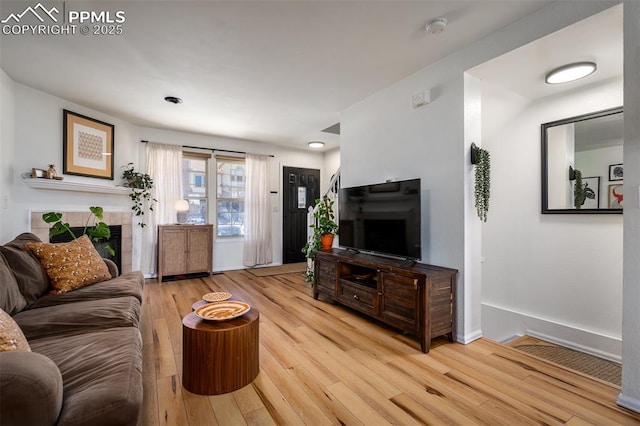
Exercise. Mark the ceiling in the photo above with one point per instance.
(598, 38)
(280, 72)
(274, 72)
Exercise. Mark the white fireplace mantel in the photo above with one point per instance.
(38, 183)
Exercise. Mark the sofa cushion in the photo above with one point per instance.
(71, 265)
(30, 275)
(11, 337)
(102, 375)
(11, 299)
(129, 284)
(31, 389)
(79, 317)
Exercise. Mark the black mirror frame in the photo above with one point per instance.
(545, 181)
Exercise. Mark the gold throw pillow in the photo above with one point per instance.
(11, 337)
(71, 265)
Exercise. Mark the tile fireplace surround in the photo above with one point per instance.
(124, 219)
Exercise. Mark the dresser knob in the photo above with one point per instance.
(355, 296)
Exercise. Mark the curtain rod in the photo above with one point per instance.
(213, 149)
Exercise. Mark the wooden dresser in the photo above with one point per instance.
(184, 249)
(416, 298)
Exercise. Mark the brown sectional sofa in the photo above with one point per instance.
(85, 364)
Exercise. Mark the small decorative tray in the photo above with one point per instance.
(222, 311)
(216, 296)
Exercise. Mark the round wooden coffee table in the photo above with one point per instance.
(219, 356)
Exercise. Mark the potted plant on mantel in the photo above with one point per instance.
(324, 230)
(141, 185)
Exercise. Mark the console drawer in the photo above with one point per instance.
(359, 297)
(326, 276)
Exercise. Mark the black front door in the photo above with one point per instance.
(301, 188)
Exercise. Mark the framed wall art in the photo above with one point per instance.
(616, 172)
(591, 192)
(87, 146)
(616, 196)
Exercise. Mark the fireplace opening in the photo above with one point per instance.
(114, 242)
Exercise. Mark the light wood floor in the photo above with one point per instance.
(324, 364)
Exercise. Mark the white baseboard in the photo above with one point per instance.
(501, 324)
(628, 402)
(469, 337)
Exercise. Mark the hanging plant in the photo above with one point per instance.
(141, 185)
(578, 190)
(480, 158)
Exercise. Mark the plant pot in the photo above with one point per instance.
(326, 240)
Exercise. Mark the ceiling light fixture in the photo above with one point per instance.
(173, 100)
(436, 26)
(570, 72)
(316, 144)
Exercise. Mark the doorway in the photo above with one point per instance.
(301, 187)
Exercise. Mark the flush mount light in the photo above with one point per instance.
(173, 100)
(571, 72)
(316, 144)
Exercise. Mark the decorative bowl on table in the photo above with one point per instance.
(222, 311)
(216, 296)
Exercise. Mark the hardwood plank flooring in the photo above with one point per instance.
(325, 364)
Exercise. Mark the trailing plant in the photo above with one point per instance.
(578, 190)
(324, 223)
(482, 181)
(141, 185)
(324, 217)
(94, 228)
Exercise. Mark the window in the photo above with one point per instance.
(230, 182)
(194, 183)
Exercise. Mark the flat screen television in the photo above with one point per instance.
(382, 218)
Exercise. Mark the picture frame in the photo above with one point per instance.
(616, 196)
(87, 146)
(39, 173)
(591, 192)
(616, 172)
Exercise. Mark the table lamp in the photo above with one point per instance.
(182, 207)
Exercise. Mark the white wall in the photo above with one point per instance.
(37, 141)
(31, 136)
(630, 396)
(228, 251)
(7, 135)
(382, 137)
(330, 167)
(555, 275)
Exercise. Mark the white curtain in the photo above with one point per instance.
(257, 212)
(164, 165)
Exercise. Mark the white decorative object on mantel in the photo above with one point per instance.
(74, 186)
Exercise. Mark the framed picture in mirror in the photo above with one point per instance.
(616, 172)
(616, 196)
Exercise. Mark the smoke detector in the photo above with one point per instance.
(436, 26)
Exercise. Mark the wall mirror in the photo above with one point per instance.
(582, 168)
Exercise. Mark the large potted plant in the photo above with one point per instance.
(141, 185)
(324, 230)
(94, 228)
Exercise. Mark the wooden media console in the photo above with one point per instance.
(416, 298)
